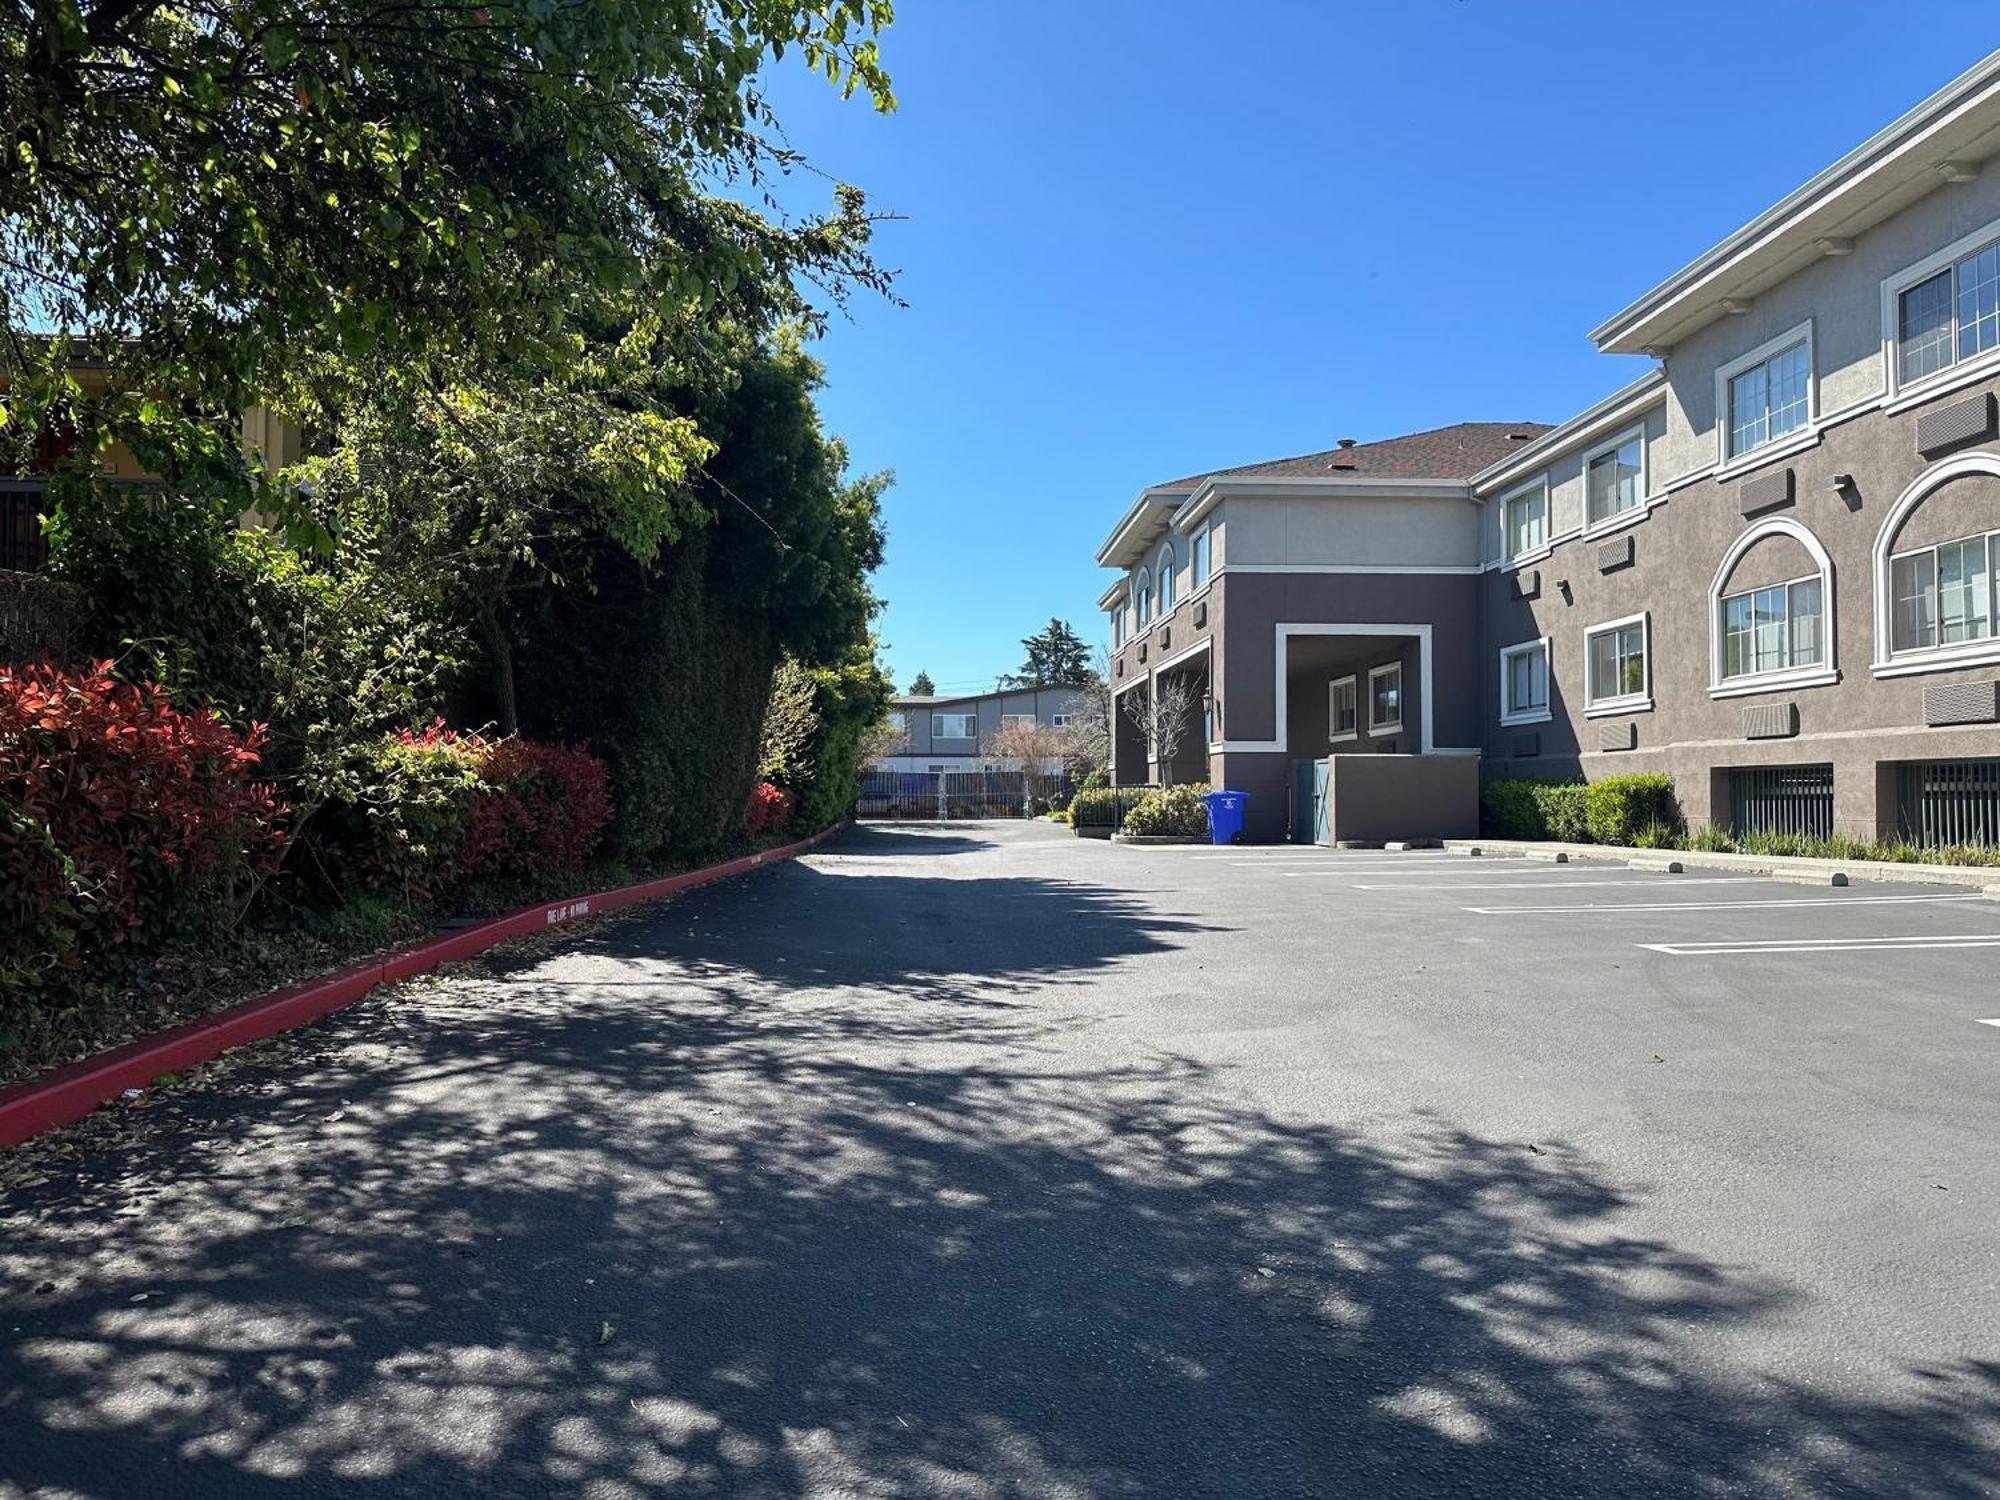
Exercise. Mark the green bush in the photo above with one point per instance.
(1524, 808)
(1618, 807)
(1171, 812)
(397, 819)
(1711, 838)
(1565, 810)
(1510, 809)
(1095, 807)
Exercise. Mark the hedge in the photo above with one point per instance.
(1614, 810)
(1171, 812)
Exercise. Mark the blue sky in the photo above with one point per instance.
(1139, 240)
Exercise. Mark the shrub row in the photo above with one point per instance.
(1613, 810)
(1170, 812)
(118, 815)
(123, 818)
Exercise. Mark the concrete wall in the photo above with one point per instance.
(1372, 798)
(1841, 296)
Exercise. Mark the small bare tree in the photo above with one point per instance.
(1163, 717)
(882, 739)
(1091, 722)
(1033, 747)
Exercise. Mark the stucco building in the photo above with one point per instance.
(1767, 566)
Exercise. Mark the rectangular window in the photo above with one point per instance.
(1341, 720)
(1201, 556)
(1945, 595)
(1951, 313)
(1611, 480)
(1385, 699)
(1524, 520)
(899, 721)
(1524, 683)
(1965, 592)
(954, 726)
(1118, 627)
(1770, 398)
(1616, 673)
(1772, 629)
(1061, 721)
(1011, 721)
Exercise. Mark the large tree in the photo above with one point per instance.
(197, 194)
(1056, 657)
(921, 685)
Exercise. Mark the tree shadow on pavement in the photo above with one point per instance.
(769, 1194)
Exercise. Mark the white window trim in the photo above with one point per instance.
(1143, 610)
(1892, 663)
(1628, 703)
(1060, 721)
(1342, 736)
(1385, 727)
(1536, 715)
(1799, 439)
(1820, 674)
(1167, 580)
(1638, 507)
(1546, 545)
(1204, 533)
(1959, 372)
(1006, 719)
(939, 734)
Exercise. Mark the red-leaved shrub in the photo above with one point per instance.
(770, 808)
(540, 808)
(116, 808)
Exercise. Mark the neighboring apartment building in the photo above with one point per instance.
(1770, 566)
(956, 733)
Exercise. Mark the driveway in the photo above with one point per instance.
(980, 1161)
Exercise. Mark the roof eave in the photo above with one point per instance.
(1615, 410)
(1648, 322)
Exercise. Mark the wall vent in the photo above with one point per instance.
(1166, 636)
(1618, 737)
(1962, 703)
(1615, 555)
(1142, 652)
(1951, 425)
(1770, 721)
(1765, 492)
(1526, 745)
(1201, 614)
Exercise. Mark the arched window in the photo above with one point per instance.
(1145, 593)
(1937, 559)
(1167, 579)
(1771, 612)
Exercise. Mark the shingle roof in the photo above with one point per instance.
(1455, 452)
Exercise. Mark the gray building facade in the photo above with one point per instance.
(1769, 566)
(942, 733)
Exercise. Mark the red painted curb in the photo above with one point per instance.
(69, 1093)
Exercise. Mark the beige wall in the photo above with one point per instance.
(1841, 295)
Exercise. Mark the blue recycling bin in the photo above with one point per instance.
(1225, 816)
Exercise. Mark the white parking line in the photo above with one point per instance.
(1615, 906)
(1374, 867)
(1825, 945)
(1994, 1022)
(1674, 881)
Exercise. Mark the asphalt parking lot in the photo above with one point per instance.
(979, 1160)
